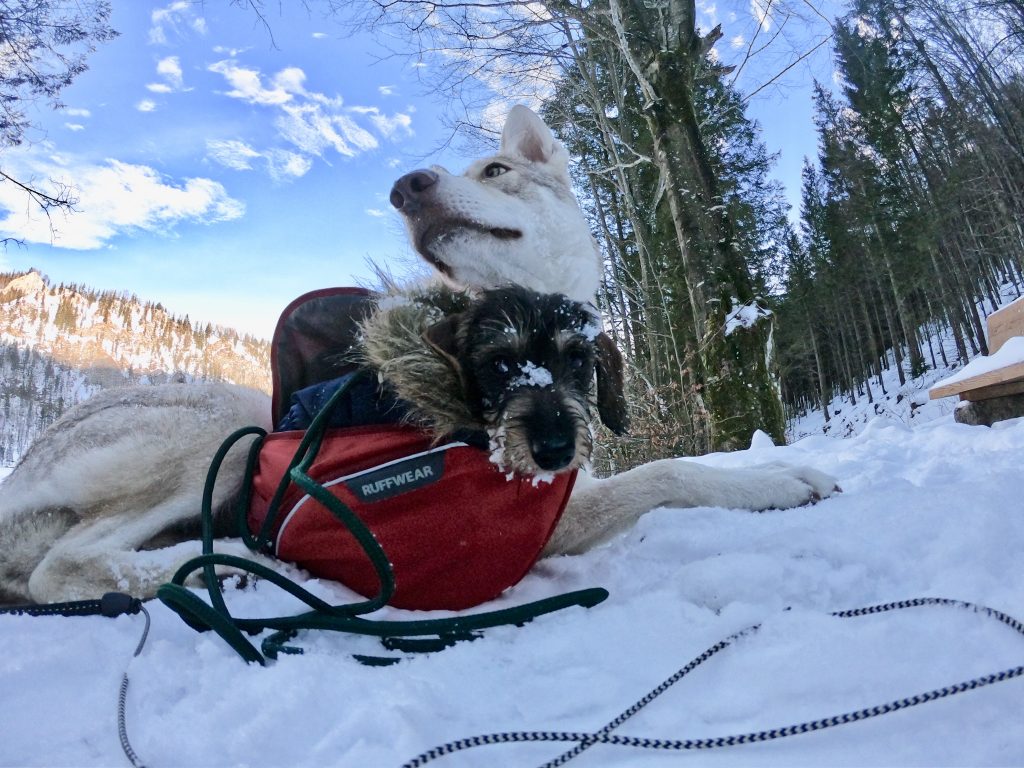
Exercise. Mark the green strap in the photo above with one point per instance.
(201, 617)
(340, 618)
(404, 636)
(206, 516)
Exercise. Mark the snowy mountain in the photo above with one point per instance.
(60, 344)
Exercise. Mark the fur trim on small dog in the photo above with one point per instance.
(391, 343)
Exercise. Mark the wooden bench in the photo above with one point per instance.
(996, 393)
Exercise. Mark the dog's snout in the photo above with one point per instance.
(553, 453)
(409, 189)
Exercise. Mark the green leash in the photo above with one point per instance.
(426, 635)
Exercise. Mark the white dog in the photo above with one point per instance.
(122, 474)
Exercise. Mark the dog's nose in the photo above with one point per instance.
(408, 190)
(553, 453)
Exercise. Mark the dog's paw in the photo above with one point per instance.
(228, 576)
(788, 485)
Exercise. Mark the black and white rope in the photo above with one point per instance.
(604, 735)
(122, 702)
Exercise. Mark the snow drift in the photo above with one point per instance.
(933, 511)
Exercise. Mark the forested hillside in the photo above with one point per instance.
(913, 212)
(60, 344)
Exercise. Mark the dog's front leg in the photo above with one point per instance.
(103, 556)
(98, 556)
(598, 509)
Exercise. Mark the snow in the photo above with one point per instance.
(744, 316)
(1011, 353)
(906, 403)
(929, 508)
(533, 375)
(932, 510)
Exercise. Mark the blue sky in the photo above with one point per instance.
(223, 172)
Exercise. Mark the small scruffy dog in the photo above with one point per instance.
(516, 363)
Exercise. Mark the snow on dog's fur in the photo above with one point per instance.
(125, 470)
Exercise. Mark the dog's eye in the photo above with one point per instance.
(495, 169)
(577, 359)
(501, 365)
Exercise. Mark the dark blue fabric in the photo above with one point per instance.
(363, 404)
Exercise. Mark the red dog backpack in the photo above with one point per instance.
(359, 498)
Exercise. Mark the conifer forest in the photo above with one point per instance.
(910, 218)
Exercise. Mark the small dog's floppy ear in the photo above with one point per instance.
(611, 394)
(442, 337)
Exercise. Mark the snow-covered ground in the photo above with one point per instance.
(907, 403)
(929, 508)
(930, 511)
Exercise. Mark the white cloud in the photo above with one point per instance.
(246, 85)
(74, 126)
(284, 164)
(311, 124)
(389, 126)
(229, 52)
(319, 35)
(77, 112)
(375, 212)
(174, 21)
(738, 41)
(233, 154)
(710, 13)
(239, 156)
(170, 69)
(762, 12)
(386, 90)
(114, 199)
(146, 105)
(312, 131)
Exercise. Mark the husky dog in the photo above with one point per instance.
(121, 472)
(121, 475)
(510, 219)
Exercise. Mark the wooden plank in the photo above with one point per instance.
(993, 391)
(999, 376)
(1004, 324)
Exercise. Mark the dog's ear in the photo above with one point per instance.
(611, 393)
(525, 135)
(443, 338)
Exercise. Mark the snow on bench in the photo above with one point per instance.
(1001, 372)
